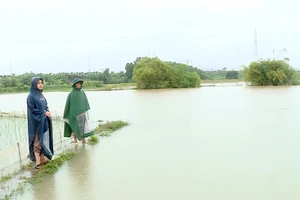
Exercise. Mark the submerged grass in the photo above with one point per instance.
(51, 166)
(103, 129)
(14, 174)
(36, 174)
(107, 128)
(93, 140)
(5, 178)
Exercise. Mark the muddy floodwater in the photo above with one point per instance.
(211, 143)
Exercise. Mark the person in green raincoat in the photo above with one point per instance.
(76, 114)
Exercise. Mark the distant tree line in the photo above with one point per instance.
(204, 75)
(99, 78)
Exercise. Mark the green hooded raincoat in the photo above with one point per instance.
(76, 114)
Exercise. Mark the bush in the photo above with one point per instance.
(270, 72)
(152, 73)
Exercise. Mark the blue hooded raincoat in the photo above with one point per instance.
(38, 122)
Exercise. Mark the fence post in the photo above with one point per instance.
(19, 151)
(60, 135)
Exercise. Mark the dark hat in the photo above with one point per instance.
(77, 80)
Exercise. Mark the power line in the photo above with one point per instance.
(123, 38)
(104, 39)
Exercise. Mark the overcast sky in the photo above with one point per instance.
(69, 35)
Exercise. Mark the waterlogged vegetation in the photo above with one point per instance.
(24, 178)
(34, 176)
(93, 140)
(15, 129)
(271, 72)
(51, 167)
(5, 178)
(105, 129)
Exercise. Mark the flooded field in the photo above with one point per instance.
(212, 143)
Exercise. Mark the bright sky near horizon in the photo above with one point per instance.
(67, 35)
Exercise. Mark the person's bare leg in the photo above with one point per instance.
(37, 151)
(37, 159)
(83, 141)
(75, 139)
(43, 159)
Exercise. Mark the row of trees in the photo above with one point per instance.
(204, 75)
(154, 73)
(97, 79)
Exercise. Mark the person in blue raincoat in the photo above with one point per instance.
(40, 135)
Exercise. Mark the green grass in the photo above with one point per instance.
(63, 88)
(105, 87)
(93, 140)
(107, 128)
(5, 178)
(221, 81)
(51, 167)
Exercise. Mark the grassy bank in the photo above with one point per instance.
(28, 176)
(63, 88)
(221, 81)
(106, 87)
(105, 129)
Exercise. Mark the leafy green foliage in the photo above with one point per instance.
(153, 73)
(61, 81)
(232, 75)
(130, 67)
(270, 72)
(180, 75)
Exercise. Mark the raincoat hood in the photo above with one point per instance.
(34, 82)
